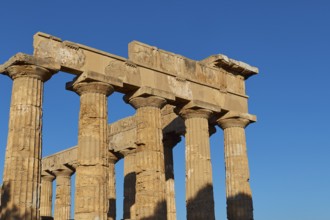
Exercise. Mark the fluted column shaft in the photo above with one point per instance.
(63, 194)
(150, 197)
(112, 187)
(238, 191)
(199, 186)
(21, 180)
(129, 185)
(91, 197)
(169, 142)
(46, 194)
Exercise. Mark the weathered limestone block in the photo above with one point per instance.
(112, 159)
(178, 65)
(63, 193)
(237, 67)
(65, 157)
(91, 198)
(21, 181)
(150, 200)
(199, 186)
(122, 135)
(170, 140)
(46, 194)
(238, 191)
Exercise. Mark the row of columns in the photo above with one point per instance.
(63, 193)
(95, 185)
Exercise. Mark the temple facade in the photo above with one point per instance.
(173, 97)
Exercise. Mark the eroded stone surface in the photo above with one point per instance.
(21, 179)
(62, 208)
(46, 194)
(199, 185)
(238, 191)
(150, 200)
(91, 198)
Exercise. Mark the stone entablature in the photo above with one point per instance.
(216, 80)
(57, 160)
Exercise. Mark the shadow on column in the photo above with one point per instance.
(10, 212)
(46, 218)
(202, 205)
(112, 209)
(129, 194)
(159, 212)
(240, 207)
(129, 200)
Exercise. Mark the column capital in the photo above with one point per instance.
(63, 171)
(187, 113)
(93, 87)
(93, 82)
(31, 71)
(24, 65)
(148, 97)
(147, 101)
(197, 109)
(47, 176)
(231, 119)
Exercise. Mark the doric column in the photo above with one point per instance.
(199, 186)
(169, 141)
(21, 180)
(150, 200)
(91, 198)
(46, 194)
(112, 186)
(129, 185)
(62, 208)
(238, 191)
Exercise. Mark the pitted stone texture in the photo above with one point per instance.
(55, 161)
(67, 54)
(238, 191)
(46, 194)
(237, 67)
(21, 181)
(21, 59)
(150, 197)
(63, 193)
(170, 140)
(182, 67)
(199, 186)
(91, 198)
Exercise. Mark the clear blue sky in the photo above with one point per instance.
(289, 146)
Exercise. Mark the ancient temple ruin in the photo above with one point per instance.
(173, 96)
